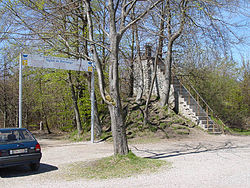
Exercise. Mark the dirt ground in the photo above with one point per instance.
(197, 161)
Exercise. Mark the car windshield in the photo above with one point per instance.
(14, 136)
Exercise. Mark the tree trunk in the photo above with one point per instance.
(116, 111)
(151, 87)
(5, 114)
(75, 105)
(131, 61)
(167, 78)
(98, 126)
(140, 88)
(171, 39)
(118, 130)
(47, 125)
(4, 118)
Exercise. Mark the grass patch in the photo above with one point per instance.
(144, 140)
(143, 137)
(117, 166)
(73, 136)
(176, 127)
(182, 132)
(239, 131)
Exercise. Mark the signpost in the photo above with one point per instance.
(56, 63)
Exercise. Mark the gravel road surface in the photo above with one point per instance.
(210, 161)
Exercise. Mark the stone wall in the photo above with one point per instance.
(143, 73)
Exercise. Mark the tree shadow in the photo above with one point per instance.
(20, 171)
(104, 139)
(200, 148)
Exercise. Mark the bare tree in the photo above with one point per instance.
(118, 24)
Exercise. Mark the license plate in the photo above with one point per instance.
(18, 151)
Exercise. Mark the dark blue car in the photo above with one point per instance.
(19, 147)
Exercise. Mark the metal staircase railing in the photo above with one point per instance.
(201, 103)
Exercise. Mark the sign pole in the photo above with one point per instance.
(92, 103)
(20, 91)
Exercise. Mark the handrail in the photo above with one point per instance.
(199, 95)
(196, 92)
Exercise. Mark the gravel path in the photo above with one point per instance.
(210, 161)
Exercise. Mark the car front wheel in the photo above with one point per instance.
(34, 166)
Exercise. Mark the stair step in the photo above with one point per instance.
(204, 122)
(200, 114)
(214, 131)
(211, 127)
(202, 117)
(184, 92)
(191, 108)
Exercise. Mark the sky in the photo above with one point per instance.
(243, 49)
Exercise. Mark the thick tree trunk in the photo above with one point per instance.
(116, 111)
(118, 130)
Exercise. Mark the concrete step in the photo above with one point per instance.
(210, 127)
(200, 114)
(190, 101)
(184, 93)
(214, 130)
(204, 122)
(192, 109)
(203, 117)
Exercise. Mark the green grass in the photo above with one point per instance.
(182, 132)
(73, 136)
(117, 166)
(240, 131)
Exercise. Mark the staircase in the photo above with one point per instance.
(189, 103)
(194, 108)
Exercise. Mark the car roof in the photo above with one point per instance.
(12, 129)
